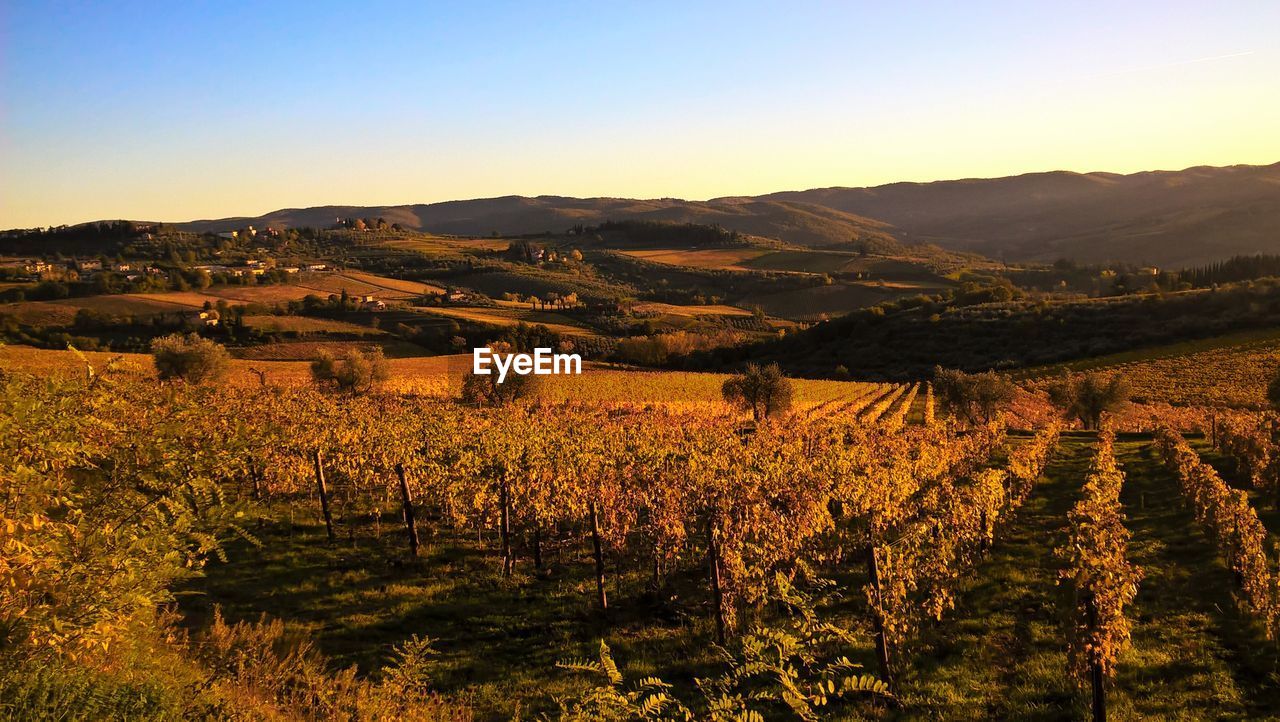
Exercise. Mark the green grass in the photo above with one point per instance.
(1193, 655)
(1236, 477)
(500, 639)
(1002, 654)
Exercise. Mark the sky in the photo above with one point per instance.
(183, 110)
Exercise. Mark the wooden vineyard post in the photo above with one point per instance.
(324, 495)
(601, 598)
(537, 546)
(877, 623)
(717, 594)
(507, 562)
(410, 521)
(1096, 677)
(257, 480)
(984, 544)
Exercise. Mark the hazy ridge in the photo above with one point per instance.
(1161, 217)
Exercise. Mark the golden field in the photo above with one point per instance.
(726, 259)
(442, 376)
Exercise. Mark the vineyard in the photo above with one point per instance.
(1230, 371)
(272, 550)
(441, 377)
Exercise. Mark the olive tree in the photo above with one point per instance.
(192, 358)
(359, 372)
(976, 398)
(762, 390)
(484, 389)
(1087, 397)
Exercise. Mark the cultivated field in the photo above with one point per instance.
(728, 259)
(356, 282)
(670, 309)
(511, 314)
(63, 312)
(288, 364)
(836, 299)
(429, 376)
(441, 244)
(307, 324)
(605, 386)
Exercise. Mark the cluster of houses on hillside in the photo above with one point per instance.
(35, 269)
(32, 267)
(254, 267)
(250, 232)
(87, 268)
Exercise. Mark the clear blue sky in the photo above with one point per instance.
(184, 110)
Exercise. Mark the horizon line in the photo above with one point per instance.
(962, 179)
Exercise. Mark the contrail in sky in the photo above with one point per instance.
(1176, 64)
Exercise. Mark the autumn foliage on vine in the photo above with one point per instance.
(1102, 578)
(1232, 523)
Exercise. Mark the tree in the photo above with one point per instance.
(324, 368)
(191, 358)
(1090, 396)
(973, 397)
(358, 373)
(484, 390)
(762, 390)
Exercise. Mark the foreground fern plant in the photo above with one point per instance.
(794, 670)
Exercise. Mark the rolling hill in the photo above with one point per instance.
(1163, 218)
(1167, 218)
(799, 223)
(907, 344)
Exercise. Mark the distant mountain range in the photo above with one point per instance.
(1166, 218)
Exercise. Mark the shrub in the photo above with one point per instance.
(358, 373)
(192, 358)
